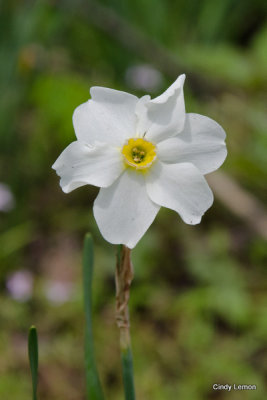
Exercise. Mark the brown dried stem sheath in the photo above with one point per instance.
(123, 278)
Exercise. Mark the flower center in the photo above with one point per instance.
(139, 153)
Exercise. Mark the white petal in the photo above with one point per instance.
(109, 117)
(165, 115)
(80, 164)
(201, 143)
(180, 187)
(124, 211)
(141, 113)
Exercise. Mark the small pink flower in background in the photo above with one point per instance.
(20, 285)
(58, 291)
(7, 201)
(143, 77)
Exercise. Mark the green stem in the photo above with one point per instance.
(127, 372)
(124, 276)
(93, 386)
(33, 358)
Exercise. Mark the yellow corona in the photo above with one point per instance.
(139, 153)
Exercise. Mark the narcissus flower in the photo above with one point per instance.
(143, 154)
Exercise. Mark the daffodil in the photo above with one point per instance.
(144, 154)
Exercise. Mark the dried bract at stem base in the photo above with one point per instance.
(123, 278)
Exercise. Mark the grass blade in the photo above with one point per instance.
(93, 386)
(33, 358)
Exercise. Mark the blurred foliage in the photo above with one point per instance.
(198, 301)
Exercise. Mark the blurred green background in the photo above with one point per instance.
(198, 301)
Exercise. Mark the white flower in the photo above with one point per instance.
(143, 154)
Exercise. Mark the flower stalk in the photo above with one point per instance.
(123, 279)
